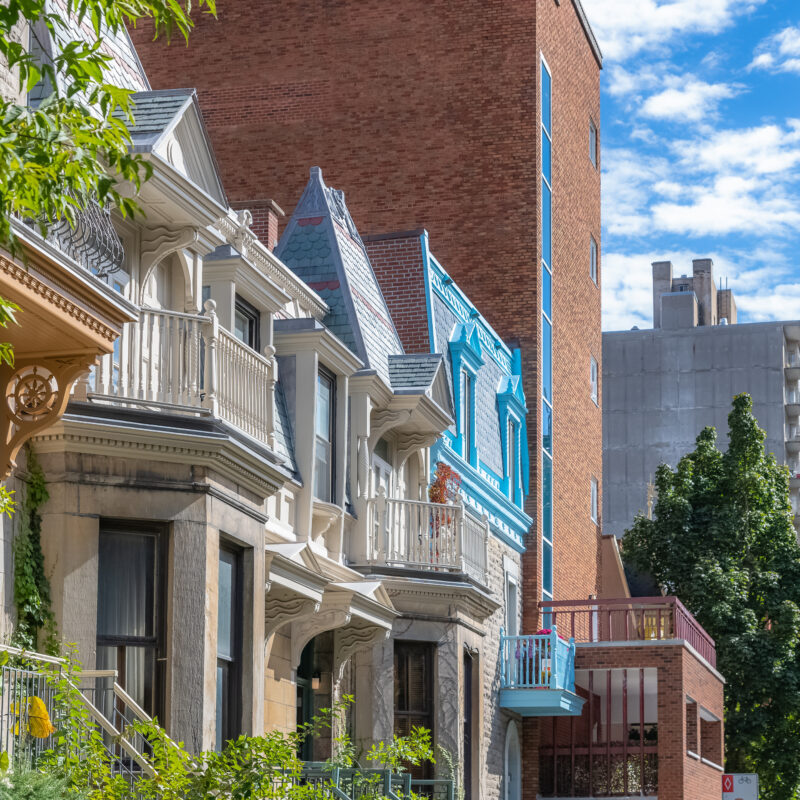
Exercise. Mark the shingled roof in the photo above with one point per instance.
(322, 246)
(417, 371)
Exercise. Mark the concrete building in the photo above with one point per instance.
(663, 386)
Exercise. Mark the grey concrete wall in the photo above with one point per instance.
(662, 387)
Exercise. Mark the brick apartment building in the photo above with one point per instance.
(480, 124)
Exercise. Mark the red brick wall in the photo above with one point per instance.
(426, 113)
(397, 262)
(680, 673)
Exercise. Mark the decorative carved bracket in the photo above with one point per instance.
(280, 610)
(385, 420)
(413, 443)
(36, 393)
(157, 244)
(305, 630)
(350, 640)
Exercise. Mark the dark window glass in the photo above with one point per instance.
(246, 323)
(547, 497)
(512, 460)
(547, 360)
(229, 614)
(547, 568)
(547, 234)
(325, 437)
(593, 142)
(547, 427)
(413, 690)
(466, 414)
(593, 258)
(130, 612)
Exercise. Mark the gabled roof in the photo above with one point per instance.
(322, 246)
(169, 123)
(415, 371)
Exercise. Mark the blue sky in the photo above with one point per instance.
(701, 149)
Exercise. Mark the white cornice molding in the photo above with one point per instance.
(261, 289)
(331, 350)
(219, 453)
(239, 236)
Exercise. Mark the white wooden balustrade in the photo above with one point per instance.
(188, 364)
(429, 536)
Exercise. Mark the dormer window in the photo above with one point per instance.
(325, 437)
(512, 459)
(467, 416)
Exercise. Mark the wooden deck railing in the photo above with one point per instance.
(628, 620)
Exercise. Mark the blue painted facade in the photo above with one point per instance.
(489, 450)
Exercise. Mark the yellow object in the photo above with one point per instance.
(39, 724)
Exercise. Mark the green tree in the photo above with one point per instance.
(722, 538)
(73, 146)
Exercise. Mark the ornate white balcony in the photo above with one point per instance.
(187, 364)
(428, 536)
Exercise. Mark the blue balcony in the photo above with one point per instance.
(537, 675)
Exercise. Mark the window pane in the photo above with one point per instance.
(547, 158)
(227, 565)
(324, 395)
(546, 98)
(593, 259)
(512, 459)
(547, 237)
(547, 360)
(241, 327)
(466, 414)
(126, 585)
(322, 471)
(547, 567)
(547, 497)
(547, 428)
(547, 292)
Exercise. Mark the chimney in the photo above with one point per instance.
(267, 215)
(705, 289)
(662, 284)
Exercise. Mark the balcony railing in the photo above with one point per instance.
(537, 675)
(188, 364)
(793, 359)
(792, 397)
(629, 620)
(429, 536)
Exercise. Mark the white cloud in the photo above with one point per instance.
(780, 52)
(685, 100)
(624, 28)
(763, 150)
(730, 205)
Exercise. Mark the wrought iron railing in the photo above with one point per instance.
(629, 620)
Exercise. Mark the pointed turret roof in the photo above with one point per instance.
(322, 246)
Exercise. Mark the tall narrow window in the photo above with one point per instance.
(229, 651)
(594, 499)
(246, 323)
(323, 457)
(466, 414)
(413, 689)
(593, 258)
(593, 377)
(512, 606)
(513, 459)
(593, 143)
(130, 611)
(547, 266)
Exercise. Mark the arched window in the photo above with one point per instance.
(513, 764)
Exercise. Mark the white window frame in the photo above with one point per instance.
(594, 380)
(594, 498)
(593, 259)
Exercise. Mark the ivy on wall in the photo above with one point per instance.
(31, 586)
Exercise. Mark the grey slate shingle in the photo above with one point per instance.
(413, 371)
